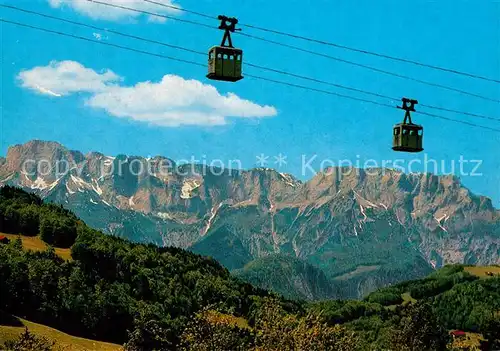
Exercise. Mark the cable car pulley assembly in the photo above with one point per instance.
(408, 137)
(225, 61)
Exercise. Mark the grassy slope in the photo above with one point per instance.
(358, 270)
(64, 341)
(480, 271)
(217, 317)
(407, 298)
(469, 341)
(34, 243)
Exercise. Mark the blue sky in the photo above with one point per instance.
(93, 112)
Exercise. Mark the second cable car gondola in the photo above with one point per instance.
(408, 137)
(225, 61)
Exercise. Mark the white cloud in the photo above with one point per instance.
(66, 77)
(173, 101)
(99, 11)
(46, 91)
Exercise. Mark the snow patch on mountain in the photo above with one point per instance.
(80, 182)
(54, 184)
(106, 203)
(288, 179)
(188, 187)
(365, 202)
(9, 177)
(363, 212)
(70, 192)
(163, 215)
(213, 214)
(399, 220)
(39, 184)
(438, 220)
(96, 188)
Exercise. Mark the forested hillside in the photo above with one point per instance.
(288, 276)
(112, 289)
(151, 298)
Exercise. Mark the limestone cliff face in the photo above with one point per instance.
(341, 221)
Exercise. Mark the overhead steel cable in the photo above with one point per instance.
(193, 51)
(461, 112)
(251, 76)
(101, 29)
(153, 14)
(340, 86)
(374, 102)
(454, 120)
(372, 53)
(182, 60)
(375, 69)
(101, 42)
(338, 59)
(340, 46)
(321, 82)
(178, 8)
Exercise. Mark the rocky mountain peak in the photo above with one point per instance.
(41, 160)
(341, 220)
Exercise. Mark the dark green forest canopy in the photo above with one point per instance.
(154, 298)
(112, 286)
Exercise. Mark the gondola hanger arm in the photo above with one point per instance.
(408, 106)
(228, 25)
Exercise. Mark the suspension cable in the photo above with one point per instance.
(340, 46)
(153, 14)
(375, 69)
(247, 64)
(437, 85)
(250, 76)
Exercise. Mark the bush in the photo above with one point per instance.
(385, 297)
(29, 220)
(29, 342)
(213, 331)
(58, 231)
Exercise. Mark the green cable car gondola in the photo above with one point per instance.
(225, 61)
(408, 137)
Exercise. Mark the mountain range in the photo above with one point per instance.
(343, 233)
